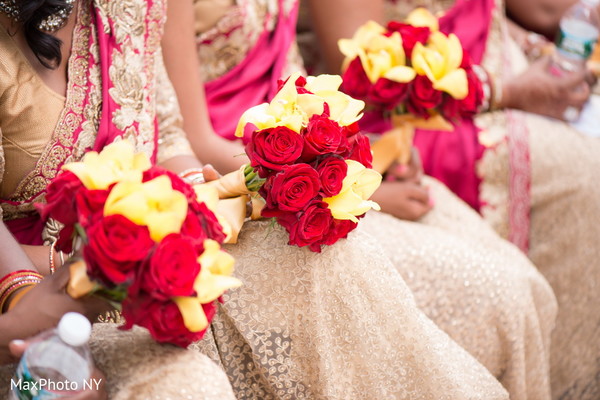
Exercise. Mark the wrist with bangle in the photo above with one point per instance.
(193, 176)
(15, 285)
(493, 95)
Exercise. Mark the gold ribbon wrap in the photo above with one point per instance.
(231, 185)
(395, 145)
(79, 283)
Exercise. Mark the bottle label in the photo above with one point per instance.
(574, 46)
(25, 387)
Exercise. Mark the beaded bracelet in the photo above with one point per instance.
(14, 281)
(51, 263)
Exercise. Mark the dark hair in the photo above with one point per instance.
(45, 46)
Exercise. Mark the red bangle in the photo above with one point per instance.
(15, 280)
(6, 295)
(20, 272)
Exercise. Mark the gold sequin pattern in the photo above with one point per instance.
(336, 325)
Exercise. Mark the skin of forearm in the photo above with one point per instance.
(181, 163)
(183, 67)
(12, 328)
(12, 256)
(330, 25)
(223, 154)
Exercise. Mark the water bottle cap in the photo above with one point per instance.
(74, 329)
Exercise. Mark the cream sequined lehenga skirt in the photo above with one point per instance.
(478, 288)
(341, 324)
(138, 368)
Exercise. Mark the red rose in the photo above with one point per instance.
(352, 129)
(300, 83)
(292, 188)
(388, 94)
(208, 221)
(193, 230)
(115, 249)
(361, 150)
(411, 35)
(311, 227)
(467, 61)
(60, 199)
(356, 83)
(453, 109)
(64, 242)
(341, 229)
(332, 171)
(323, 136)
(474, 99)
(162, 319)
(172, 270)
(423, 97)
(273, 148)
(90, 205)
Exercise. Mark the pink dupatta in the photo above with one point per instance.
(254, 80)
(28, 230)
(452, 157)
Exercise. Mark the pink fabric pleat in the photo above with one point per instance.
(254, 80)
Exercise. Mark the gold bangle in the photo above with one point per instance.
(13, 288)
(192, 176)
(18, 296)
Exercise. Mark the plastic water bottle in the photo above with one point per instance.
(577, 37)
(58, 365)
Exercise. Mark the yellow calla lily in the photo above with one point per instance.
(215, 274)
(293, 110)
(117, 162)
(343, 109)
(380, 56)
(357, 187)
(440, 61)
(192, 312)
(422, 17)
(212, 281)
(153, 204)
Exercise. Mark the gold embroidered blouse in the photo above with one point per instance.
(34, 119)
(29, 111)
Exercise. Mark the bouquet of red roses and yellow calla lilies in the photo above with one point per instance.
(150, 243)
(412, 73)
(309, 164)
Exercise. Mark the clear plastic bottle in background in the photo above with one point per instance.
(56, 364)
(579, 30)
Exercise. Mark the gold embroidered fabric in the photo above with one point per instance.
(478, 288)
(138, 368)
(341, 324)
(28, 114)
(141, 89)
(565, 208)
(224, 37)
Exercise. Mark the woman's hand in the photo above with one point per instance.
(413, 171)
(540, 92)
(18, 347)
(45, 304)
(210, 173)
(406, 200)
